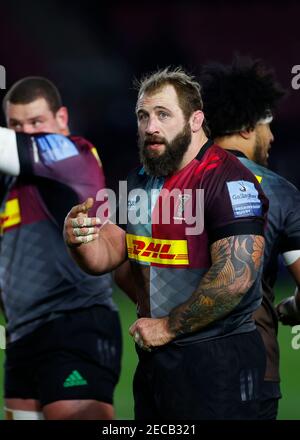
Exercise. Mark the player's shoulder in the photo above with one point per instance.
(223, 157)
(227, 165)
(268, 177)
(81, 142)
(85, 145)
(278, 179)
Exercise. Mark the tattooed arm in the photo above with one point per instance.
(235, 264)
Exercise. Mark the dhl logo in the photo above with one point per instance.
(154, 250)
(11, 216)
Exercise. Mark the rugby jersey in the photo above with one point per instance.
(39, 280)
(173, 221)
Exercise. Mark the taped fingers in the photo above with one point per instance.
(86, 238)
(81, 222)
(84, 231)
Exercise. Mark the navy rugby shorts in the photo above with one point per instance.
(217, 379)
(76, 356)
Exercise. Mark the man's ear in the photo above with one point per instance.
(62, 118)
(247, 134)
(197, 120)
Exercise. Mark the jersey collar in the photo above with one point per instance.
(236, 153)
(204, 149)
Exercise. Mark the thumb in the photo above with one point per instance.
(82, 209)
(87, 205)
(132, 328)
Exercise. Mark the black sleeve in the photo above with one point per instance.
(234, 201)
(24, 145)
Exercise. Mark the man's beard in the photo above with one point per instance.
(260, 153)
(166, 163)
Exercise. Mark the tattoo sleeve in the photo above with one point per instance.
(235, 264)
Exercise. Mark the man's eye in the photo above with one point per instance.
(15, 125)
(36, 123)
(163, 115)
(142, 116)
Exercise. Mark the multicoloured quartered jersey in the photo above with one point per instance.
(173, 221)
(39, 280)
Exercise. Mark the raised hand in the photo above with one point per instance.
(79, 228)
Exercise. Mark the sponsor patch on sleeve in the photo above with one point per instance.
(55, 147)
(244, 198)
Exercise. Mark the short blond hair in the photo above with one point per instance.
(187, 88)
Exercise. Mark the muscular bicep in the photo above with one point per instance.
(236, 261)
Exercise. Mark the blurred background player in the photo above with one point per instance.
(64, 341)
(239, 100)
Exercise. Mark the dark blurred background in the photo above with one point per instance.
(93, 52)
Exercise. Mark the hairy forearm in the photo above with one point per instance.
(102, 255)
(235, 264)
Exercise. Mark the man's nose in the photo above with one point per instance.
(152, 126)
(28, 129)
